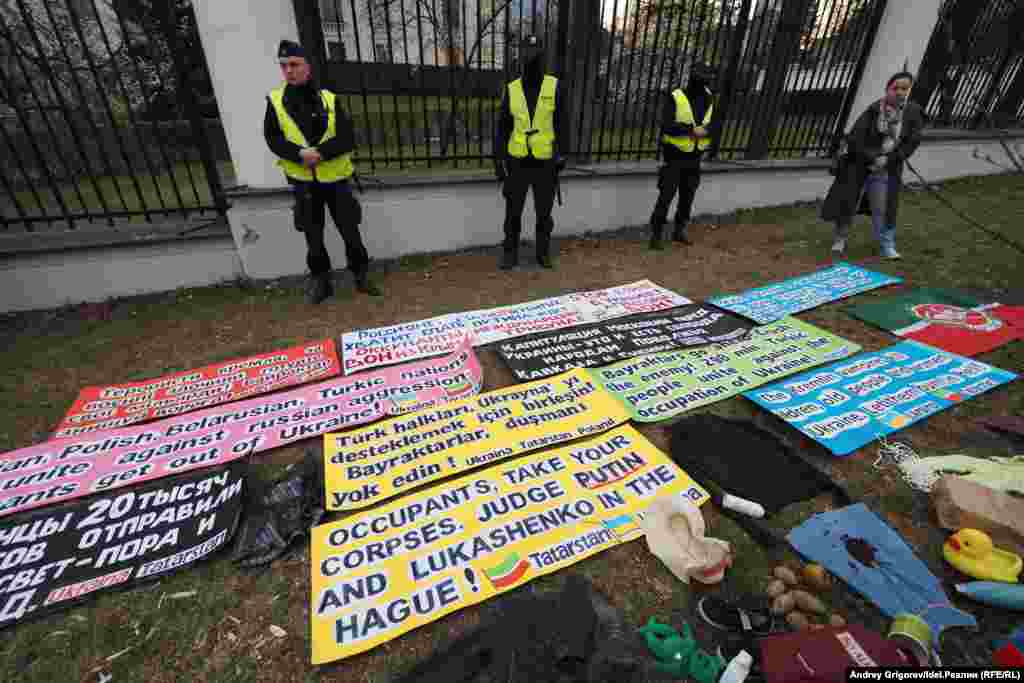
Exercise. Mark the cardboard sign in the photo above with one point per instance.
(366, 466)
(63, 469)
(849, 404)
(53, 558)
(589, 346)
(422, 338)
(118, 405)
(384, 572)
(945, 319)
(664, 385)
(768, 304)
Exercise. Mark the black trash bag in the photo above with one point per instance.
(279, 513)
(574, 637)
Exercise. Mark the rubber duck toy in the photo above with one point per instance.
(972, 552)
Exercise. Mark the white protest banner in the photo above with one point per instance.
(364, 349)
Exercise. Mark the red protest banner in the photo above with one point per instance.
(117, 405)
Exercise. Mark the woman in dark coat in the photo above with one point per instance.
(870, 174)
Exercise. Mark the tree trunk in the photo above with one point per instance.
(584, 60)
(784, 48)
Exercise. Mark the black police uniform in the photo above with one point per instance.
(520, 175)
(680, 173)
(304, 104)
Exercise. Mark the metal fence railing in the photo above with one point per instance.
(423, 78)
(972, 74)
(100, 118)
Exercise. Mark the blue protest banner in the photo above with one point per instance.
(767, 304)
(852, 402)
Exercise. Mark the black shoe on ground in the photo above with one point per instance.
(729, 617)
(680, 236)
(318, 288)
(509, 260)
(544, 261)
(657, 230)
(364, 285)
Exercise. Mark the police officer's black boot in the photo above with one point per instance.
(318, 288)
(679, 234)
(544, 251)
(509, 258)
(657, 231)
(510, 251)
(364, 285)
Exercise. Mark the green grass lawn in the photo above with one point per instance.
(185, 186)
(55, 354)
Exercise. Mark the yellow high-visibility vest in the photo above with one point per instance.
(541, 126)
(330, 171)
(684, 115)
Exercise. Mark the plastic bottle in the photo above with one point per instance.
(742, 506)
(738, 669)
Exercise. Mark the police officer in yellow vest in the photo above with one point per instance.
(685, 134)
(530, 141)
(314, 138)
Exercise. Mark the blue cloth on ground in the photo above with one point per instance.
(857, 546)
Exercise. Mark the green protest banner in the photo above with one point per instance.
(663, 385)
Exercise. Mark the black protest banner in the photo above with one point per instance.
(590, 346)
(53, 558)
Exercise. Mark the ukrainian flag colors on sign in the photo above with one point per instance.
(381, 573)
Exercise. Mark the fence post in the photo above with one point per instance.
(784, 46)
(946, 47)
(243, 68)
(900, 41)
(311, 37)
(843, 119)
(586, 47)
(728, 84)
(1005, 113)
(993, 89)
(188, 96)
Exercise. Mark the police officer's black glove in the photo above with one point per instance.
(499, 171)
(560, 163)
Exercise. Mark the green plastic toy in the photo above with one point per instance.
(677, 653)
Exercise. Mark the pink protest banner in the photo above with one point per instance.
(119, 405)
(64, 469)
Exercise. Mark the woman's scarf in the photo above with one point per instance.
(890, 125)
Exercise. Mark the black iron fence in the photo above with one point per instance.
(972, 75)
(423, 78)
(106, 114)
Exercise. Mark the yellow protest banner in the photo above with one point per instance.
(384, 572)
(366, 466)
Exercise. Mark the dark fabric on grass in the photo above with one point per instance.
(745, 461)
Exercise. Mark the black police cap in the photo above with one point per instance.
(289, 48)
